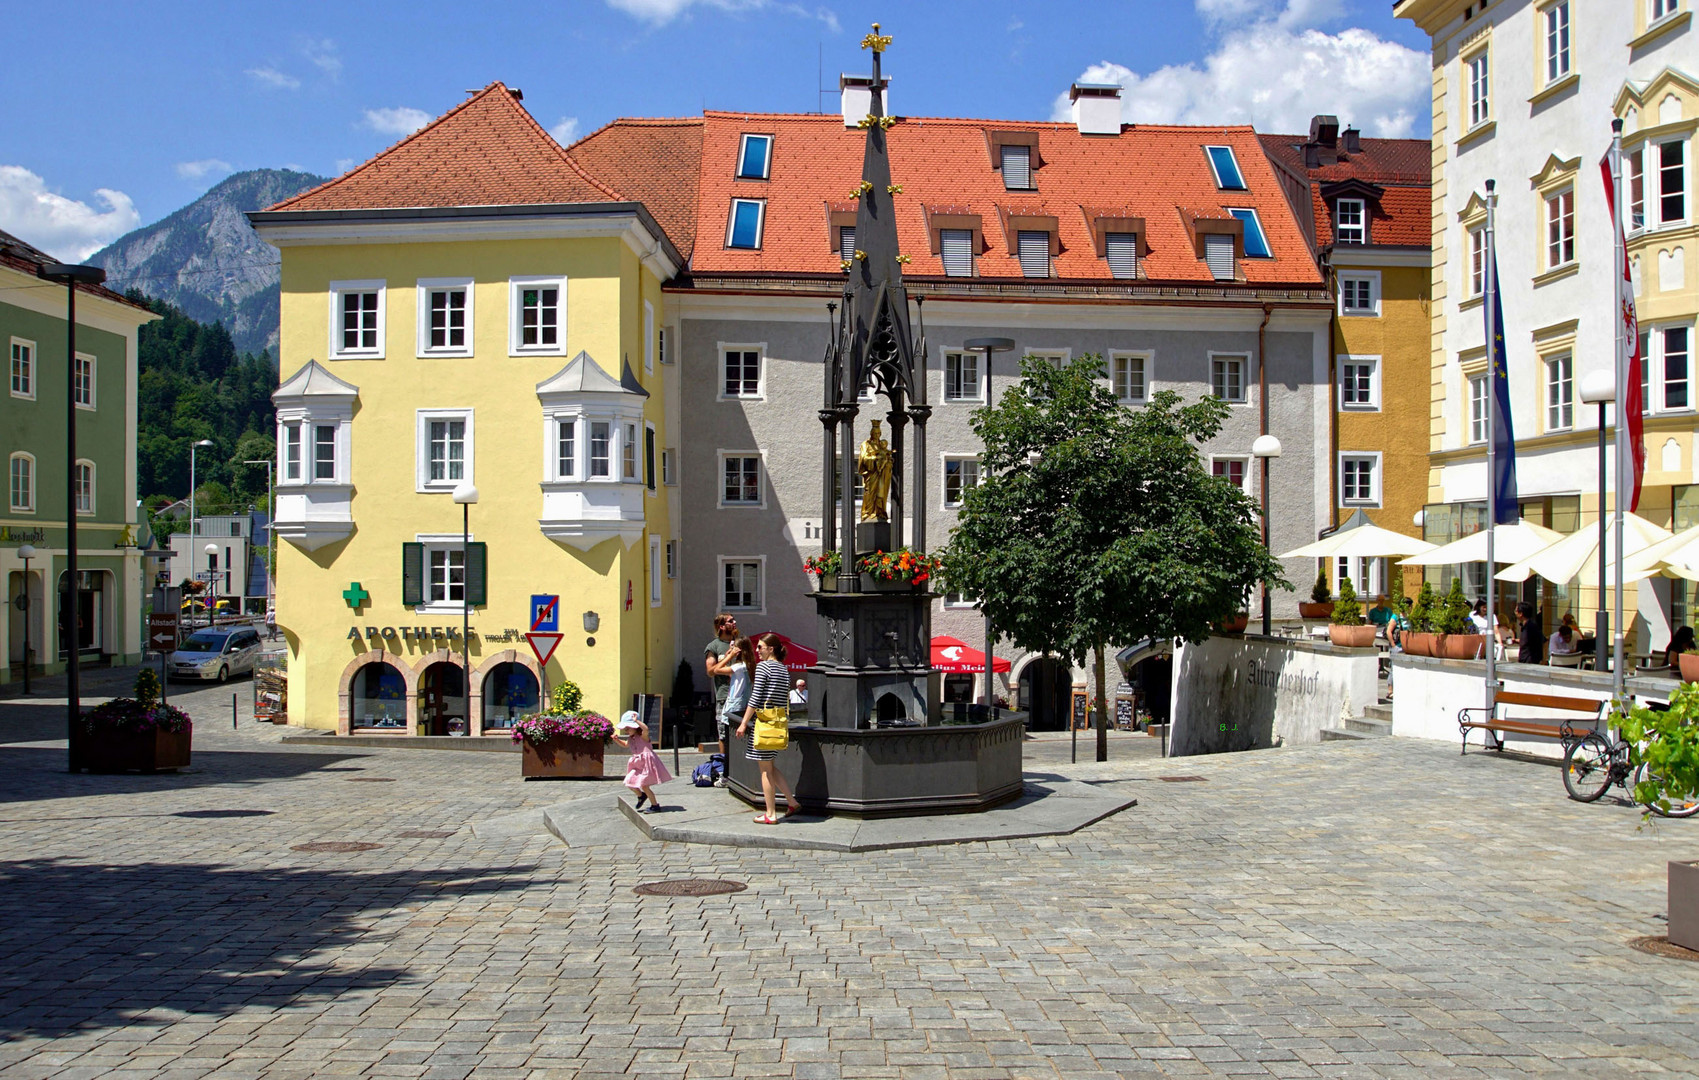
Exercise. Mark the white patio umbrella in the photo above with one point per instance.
(1362, 542)
(1577, 555)
(1680, 550)
(1511, 543)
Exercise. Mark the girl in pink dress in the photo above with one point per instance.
(644, 770)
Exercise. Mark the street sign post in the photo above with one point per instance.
(162, 639)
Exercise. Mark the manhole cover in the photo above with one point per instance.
(1661, 946)
(370, 779)
(1182, 779)
(689, 887)
(223, 813)
(335, 846)
(425, 834)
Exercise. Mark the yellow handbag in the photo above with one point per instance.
(772, 728)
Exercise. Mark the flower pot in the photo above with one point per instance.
(1684, 904)
(1689, 665)
(1418, 644)
(1309, 610)
(562, 757)
(826, 583)
(869, 583)
(123, 751)
(1459, 646)
(1234, 624)
(1361, 636)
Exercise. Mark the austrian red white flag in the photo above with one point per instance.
(1629, 396)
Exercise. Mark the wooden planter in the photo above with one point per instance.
(1234, 624)
(1309, 610)
(1684, 904)
(1361, 636)
(124, 751)
(1458, 646)
(1415, 644)
(1688, 663)
(561, 758)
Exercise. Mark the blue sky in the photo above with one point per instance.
(141, 107)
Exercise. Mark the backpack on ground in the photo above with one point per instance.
(711, 773)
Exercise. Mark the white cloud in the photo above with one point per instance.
(277, 80)
(661, 12)
(196, 170)
(399, 121)
(343, 164)
(566, 131)
(64, 228)
(321, 53)
(1271, 67)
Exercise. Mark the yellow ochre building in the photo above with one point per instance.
(470, 310)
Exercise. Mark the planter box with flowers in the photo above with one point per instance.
(825, 567)
(901, 570)
(1667, 741)
(134, 733)
(564, 743)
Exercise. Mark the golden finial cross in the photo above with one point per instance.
(875, 42)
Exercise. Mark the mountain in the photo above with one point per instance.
(206, 260)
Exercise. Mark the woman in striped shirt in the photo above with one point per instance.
(771, 690)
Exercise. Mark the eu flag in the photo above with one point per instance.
(1507, 509)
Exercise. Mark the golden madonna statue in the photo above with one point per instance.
(874, 465)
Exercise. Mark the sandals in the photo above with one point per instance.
(765, 820)
(790, 811)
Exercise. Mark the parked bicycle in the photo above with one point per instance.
(1595, 762)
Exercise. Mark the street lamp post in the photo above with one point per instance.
(71, 276)
(192, 448)
(26, 552)
(1599, 388)
(989, 346)
(466, 495)
(1264, 449)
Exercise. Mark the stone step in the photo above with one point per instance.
(1330, 734)
(1369, 726)
(1379, 712)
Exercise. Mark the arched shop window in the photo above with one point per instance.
(379, 697)
(510, 691)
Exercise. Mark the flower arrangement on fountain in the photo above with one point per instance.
(825, 564)
(141, 715)
(565, 719)
(904, 564)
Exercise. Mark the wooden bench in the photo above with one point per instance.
(1564, 730)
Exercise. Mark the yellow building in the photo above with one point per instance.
(470, 315)
(1370, 206)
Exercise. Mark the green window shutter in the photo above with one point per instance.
(412, 574)
(476, 594)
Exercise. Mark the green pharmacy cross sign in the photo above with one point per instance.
(355, 595)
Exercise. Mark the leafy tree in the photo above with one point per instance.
(1095, 523)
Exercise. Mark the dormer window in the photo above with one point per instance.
(1034, 253)
(1256, 245)
(1225, 167)
(1351, 224)
(1122, 251)
(743, 228)
(755, 157)
(1017, 167)
(846, 242)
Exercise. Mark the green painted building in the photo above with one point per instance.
(32, 447)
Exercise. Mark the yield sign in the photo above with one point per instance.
(543, 645)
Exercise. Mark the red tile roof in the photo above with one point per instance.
(1404, 213)
(21, 255)
(1152, 171)
(486, 151)
(656, 162)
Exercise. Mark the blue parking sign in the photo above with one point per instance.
(545, 614)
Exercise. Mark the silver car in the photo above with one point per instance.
(215, 653)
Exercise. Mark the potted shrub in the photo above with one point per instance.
(825, 567)
(1670, 750)
(896, 571)
(1320, 604)
(1346, 626)
(1419, 639)
(1455, 635)
(134, 733)
(1235, 623)
(1687, 662)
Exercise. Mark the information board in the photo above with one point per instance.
(1124, 713)
(1081, 712)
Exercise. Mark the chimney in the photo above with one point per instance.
(857, 91)
(518, 94)
(1352, 140)
(1096, 108)
(1324, 131)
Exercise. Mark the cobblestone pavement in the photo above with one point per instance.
(1382, 908)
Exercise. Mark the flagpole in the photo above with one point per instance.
(1622, 454)
(1491, 306)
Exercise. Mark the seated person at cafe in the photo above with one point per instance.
(1380, 614)
(1682, 642)
(1566, 640)
(1531, 640)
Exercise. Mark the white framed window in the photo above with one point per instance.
(648, 338)
(664, 353)
(1368, 575)
(1555, 20)
(1478, 78)
(1225, 167)
(1560, 228)
(961, 472)
(1672, 181)
(83, 381)
(83, 479)
(1359, 293)
(1016, 165)
(960, 600)
(445, 575)
(1230, 469)
(846, 242)
(672, 558)
(1034, 248)
(1477, 261)
(740, 476)
(743, 224)
(1359, 479)
(654, 572)
(1359, 383)
(1227, 377)
(740, 583)
(669, 468)
(566, 448)
(357, 319)
(755, 157)
(536, 315)
(1121, 252)
(961, 377)
(23, 369)
(1477, 410)
(1560, 393)
(21, 482)
(628, 454)
(445, 316)
(1666, 352)
(599, 449)
(290, 453)
(1350, 221)
(955, 247)
(741, 371)
(1129, 377)
(1219, 255)
(324, 452)
(1256, 243)
(1661, 9)
(445, 448)
(1634, 178)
